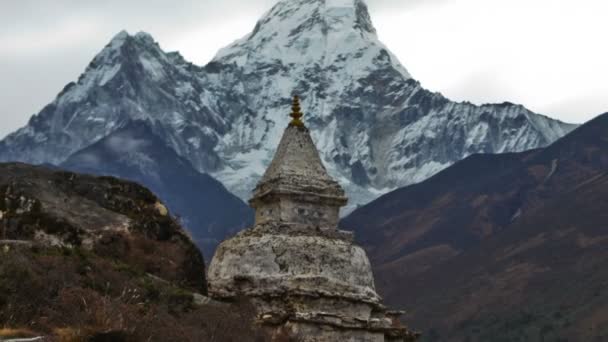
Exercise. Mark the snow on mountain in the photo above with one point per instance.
(376, 127)
(130, 79)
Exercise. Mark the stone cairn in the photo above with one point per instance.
(304, 276)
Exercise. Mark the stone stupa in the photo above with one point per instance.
(305, 277)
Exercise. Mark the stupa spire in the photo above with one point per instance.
(296, 113)
(296, 188)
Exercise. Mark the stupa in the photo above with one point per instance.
(306, 278)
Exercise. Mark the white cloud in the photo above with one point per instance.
(537, 52)
(31, 42)
(546, 54)
(120, 144)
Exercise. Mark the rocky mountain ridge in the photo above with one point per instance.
(376, 127)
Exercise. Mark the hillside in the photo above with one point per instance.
(86, 258)
(500, 247)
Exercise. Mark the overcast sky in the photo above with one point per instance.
(550, 55)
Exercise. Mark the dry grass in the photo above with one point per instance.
(16, 333)
(69, 335)
(74, 297)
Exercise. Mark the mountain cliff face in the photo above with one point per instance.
(376, 127)
(204, 206)
(500, 247)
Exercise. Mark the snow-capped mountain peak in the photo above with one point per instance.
(320, 49)
(131, 78)
(304, 32)
(130, 54)
(376, 128)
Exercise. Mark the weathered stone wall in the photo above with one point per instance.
(309, 213)
(257, 264)
(268, 212)
(289, 210)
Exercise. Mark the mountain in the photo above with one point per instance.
(377, 128)
(500, 247)
(130, 79)
(86, 258)
(134, 152)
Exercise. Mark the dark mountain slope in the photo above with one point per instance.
(496, 245)
(207, 209)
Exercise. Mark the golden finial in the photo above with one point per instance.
(296, 113)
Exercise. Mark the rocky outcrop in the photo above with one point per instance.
(86, 258)
(306, 279)
(102, 215)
